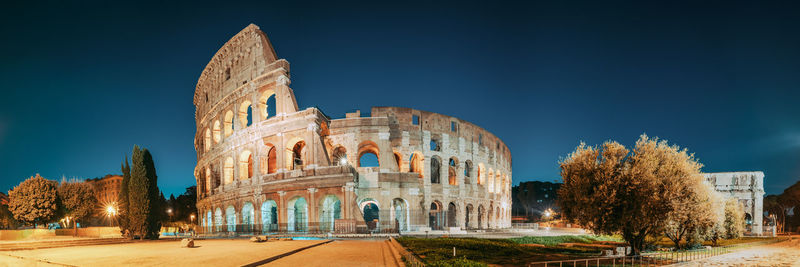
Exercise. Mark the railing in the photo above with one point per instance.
(655, 258)
(409, 258)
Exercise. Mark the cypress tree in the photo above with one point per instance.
(123, 199)
(139, 200)
(154, 216)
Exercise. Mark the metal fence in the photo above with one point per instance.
(655, 258)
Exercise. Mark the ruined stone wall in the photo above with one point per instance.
(260, 157)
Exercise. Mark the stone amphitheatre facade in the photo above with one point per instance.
(264, 165)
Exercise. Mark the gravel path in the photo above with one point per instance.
(779, 254)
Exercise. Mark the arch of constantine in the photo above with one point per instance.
(264, 165)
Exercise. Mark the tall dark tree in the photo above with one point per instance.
(124, 221)
(143, 194)
(156, 197)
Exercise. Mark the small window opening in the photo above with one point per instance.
(453, 126)
(227, 74)
(415, 120)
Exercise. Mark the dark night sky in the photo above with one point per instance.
(82, 83)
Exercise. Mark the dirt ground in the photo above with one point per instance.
(779, 254)
(342, 253)
(155, 253)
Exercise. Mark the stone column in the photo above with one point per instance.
(313, 219)
(282, 216)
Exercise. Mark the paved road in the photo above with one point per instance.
(343, 253)
(779, 254)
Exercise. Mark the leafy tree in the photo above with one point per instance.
(34, 200)
(124, 220)
(696, 207)
(734, 218)
(77, 200)
(777, 205)
(612, 191)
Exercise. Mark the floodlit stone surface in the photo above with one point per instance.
(263, 161)
(748, 188)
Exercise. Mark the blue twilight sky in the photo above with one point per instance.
(82, 83)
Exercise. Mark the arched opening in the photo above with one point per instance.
(435, 216)
(295, 155)
(490, 181)
(272, 160)
(415, 163)
(217, 132)
(748, 219)
(248, 216)
(245, 165)
(246, 114)
(435, 144)
(368, 159)
(481, 212)
(339, 156)
(451, 171)
(297, 215)
(397, 159)
(400, 214)
(227, 170)
(209, 183)
(435, 166)
(467, 171)
(467, 216)
(269, 216)
(368, 154)
(481, 174)
(218, 219)
(267, 104)
(451, 215)
(228, 124)
(207, 140)
(371, 215)
(489, 217)
(331, 211)
(209, 221)
(230, 218)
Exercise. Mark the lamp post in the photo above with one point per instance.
(111, 212)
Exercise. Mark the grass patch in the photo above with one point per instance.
(555, 240)
(439, 251)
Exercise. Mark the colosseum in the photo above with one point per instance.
(264, 165)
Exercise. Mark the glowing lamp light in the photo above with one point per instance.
(111, 211)
(343, 161)
(547, 213)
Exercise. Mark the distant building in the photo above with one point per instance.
(106, 189)
(748, 188)
(531, 199)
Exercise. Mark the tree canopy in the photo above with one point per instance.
(35, 200)
(647, 191)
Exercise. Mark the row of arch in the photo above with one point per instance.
(367, 150)
(215, 133)
(296, 216)
(245, 164)
(297, 219)
(368, 156)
